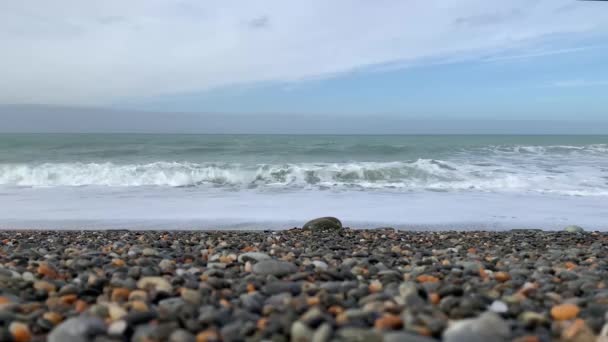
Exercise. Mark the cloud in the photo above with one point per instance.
(94, 53)
(259, 22)
(111, 19)
(540, 53)
(490, 18)
(579, 83)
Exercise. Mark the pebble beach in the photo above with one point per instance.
(322, 282)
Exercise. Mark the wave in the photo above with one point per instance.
(421, 174)
(592, 149)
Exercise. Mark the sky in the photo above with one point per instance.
(420, 59)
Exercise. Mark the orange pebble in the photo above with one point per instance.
(81, 306)
(434, 298)
(250, 288)
(570, 265)
(425, 278)
(118, 262)
(389, 322)
(311, 301)
(502, 276)
(20, 332)
(46, 270)
(564, 312)
(248, 249)
(208, 336)
(4, 300)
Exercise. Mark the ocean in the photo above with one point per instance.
(82, 181)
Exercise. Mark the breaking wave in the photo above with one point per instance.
(423, 174)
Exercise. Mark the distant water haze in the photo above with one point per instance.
(58, 119)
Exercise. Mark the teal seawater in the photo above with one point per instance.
(565, 165)
(277, 181)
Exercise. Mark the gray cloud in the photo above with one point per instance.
(111, 19)
(489, 18)
(259, 22)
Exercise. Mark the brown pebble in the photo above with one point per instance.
(227, 259)
(249, 249)
(120, 294)
(262, 323)
(138, 295)
(81, 306)
(483, 274)
(527, 338)
(312, 301)
(4, 300)
(53, 317)
(225, 303)
(45, 286)
(564, 312)
(69, 299)
(138, 305)
(375, 286)
(335, 310)
(578, 331)
(388, 322)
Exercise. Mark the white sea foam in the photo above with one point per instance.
(493, 175)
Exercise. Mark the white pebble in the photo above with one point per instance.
(499, 307)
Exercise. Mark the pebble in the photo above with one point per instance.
(487, 327)
(300, 332)
(321, 265)
(20, 332)
(275, 268)
(158, 283)
(78, 329)
(117, 328)
(498, 307)
(252, 256)
(389, 322)
(574, 229)
(403, 336)
(564, 312)
(323, 223)
(182, 335)
(316, 284)
(323, 333)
